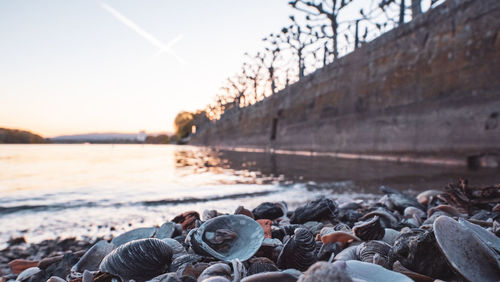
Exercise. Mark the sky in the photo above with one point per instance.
(81, 66)
(87, 66)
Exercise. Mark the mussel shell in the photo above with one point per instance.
(249, 237)
(317, 210)
(218, 269)
(418, 251)
(482, 234)
(166, 230)
(349, 253)
(261, 264)
(267, 210)
(134, 234)
(270, 277)
(468, 255)
(139, 260)
(371, 272)
(377, 252)
(369, 230)
(299, 251)
(93, 257)
(183, 259)
(326, 251)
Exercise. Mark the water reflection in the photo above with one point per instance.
(323, 172)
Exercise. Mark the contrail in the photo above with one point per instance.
(164, 48)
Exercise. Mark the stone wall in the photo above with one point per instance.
(432, 85)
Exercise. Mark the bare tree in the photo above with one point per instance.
(253, 71)
(270, 58)
(318, 10)
(298, 38)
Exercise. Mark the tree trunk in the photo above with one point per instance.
(416, 8)
(402, 12)
(333, 19)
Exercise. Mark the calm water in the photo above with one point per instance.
(96, 190)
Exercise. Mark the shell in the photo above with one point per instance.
(268, 210)
(243, 211)
(261, 264)
(187, 219)
(270, 277)
(177, 248)
(324, 271)
(482, 234)
(135, 234)
(425, 197)
(184, 259)
(400, 200)
(417, 250)
(241, 237)
(93, 257)
(139, 260)
(166, 230)
(218, 269)
(340, 237)
(387, 219)
(299, 251)
(317, 210)
(349, 253)
(377, 252)
(369, 230)
(371, 272)
(327, 250)
(166, 277)
(468, 255)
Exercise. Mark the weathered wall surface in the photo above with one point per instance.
(432, 85)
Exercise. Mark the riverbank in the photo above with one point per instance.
(396, 236)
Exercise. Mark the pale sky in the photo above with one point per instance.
(74, 67)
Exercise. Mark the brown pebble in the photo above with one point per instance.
(266, 225)
(46, 262)
(19, 265)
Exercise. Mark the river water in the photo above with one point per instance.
(84, 191)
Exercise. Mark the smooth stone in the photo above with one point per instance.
(92, 258)
(135, 234)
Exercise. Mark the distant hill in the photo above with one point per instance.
(15, 136)
(101, 138)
